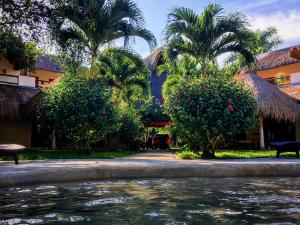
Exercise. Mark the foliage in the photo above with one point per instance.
(80, 109)
(188, 155)
(249, 154)
(126, 73)
(95, 24)
(186, 68)
(205, 36)
(154, 113)
(281, 78)
(259, 41)
(212, 110)
(26, 18)
(131, 126)
(19, 53)
(235, 154)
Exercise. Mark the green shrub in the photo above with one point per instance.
(79, 109)
(211, 110)
(188, 155)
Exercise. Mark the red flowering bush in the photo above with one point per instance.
(211, 110)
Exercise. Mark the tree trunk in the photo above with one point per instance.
(53, 140)
(93, 69)
(207, 153)
(261, 133)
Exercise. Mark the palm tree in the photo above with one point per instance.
(125, 72)
(259, 41)
(95, 24)
(205, 36)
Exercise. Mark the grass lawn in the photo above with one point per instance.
(237, 154)
(248, 154)
(41, 155)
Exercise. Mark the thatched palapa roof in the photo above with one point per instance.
(271, 101)
(152, 60)
(281, 57)
(291, 90)
(16, 102)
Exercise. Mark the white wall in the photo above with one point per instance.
(26, 81)
(295, 78)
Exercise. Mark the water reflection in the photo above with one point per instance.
(157, 201)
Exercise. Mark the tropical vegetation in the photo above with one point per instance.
(211, 110)
(205, 36)
(126, 73)
(104, 95)
(92, 25)
(80, 110)
(21, 54)
(258, 41)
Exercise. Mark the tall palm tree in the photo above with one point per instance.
(205, 36)
(259, 41)
(125, 72)
(94, 24)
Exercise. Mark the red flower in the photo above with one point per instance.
(230, 107)
(189, 99)
(116, 101)
(179, 96)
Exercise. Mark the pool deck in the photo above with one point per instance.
(146, 165)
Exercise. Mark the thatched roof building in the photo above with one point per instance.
(281, 57)
(16, 102)
(153, 59)
(271, 101)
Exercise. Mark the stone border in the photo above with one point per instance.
(122, 169)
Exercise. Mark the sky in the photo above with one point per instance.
(282, 14)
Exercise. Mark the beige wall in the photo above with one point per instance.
(45, 76)
(5, 65)
(271, 73)
(15, 132)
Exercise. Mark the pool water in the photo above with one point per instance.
(155, 202)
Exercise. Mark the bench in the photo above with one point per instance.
(289, 146)
(11, 150)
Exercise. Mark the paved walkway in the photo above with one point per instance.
(146, 165)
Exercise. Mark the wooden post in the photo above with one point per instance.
(261, 133)
(53, 140)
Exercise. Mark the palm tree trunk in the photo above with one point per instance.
(93, 69)
(203, 65)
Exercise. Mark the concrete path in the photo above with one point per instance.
(146, 165)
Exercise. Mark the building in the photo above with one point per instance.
(278, 113)
(18, 94)
(156, 80)
(46, 72)
(278, 98)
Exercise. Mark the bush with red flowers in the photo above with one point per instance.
(212, 110)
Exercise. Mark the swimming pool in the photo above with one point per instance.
(155, 201)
